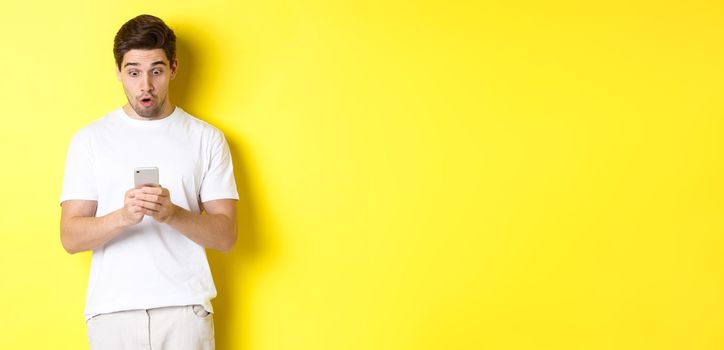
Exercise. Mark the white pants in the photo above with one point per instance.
(168, 328)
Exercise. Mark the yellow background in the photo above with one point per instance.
(414, 174)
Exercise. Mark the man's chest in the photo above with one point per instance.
(181, 160)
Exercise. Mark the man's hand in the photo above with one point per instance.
(132, 213)
(156, 202)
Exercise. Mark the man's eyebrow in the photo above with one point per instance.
(138, 64)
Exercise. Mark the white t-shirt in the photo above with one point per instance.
(150, 264)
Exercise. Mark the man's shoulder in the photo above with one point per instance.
(205, 127)
(97, 125)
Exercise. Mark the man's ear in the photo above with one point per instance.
(174, 68)
(118, 72)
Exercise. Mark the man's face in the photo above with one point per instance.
(145, 75)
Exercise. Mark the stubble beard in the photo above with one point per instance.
(150, 113)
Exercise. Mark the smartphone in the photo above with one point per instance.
(145, 176)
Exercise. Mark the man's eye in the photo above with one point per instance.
(133, 74)
(157, 72)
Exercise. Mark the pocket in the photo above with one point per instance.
(200, 311)
(204, 326)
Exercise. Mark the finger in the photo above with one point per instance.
(151, 205)
(149, 198)
(152, 190)
(158, 203)
(154, 198)
(159, 191)
(135, 204)
(139, 203)
(150, 212)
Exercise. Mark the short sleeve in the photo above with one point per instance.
(78, 179)
(218, 182)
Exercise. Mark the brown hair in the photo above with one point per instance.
(144, 32)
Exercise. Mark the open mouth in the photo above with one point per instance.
(146, 101)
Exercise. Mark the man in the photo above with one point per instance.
(150, 285)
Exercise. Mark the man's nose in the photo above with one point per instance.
(147, 84)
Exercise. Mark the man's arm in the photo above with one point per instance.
(216, 229)
(81, 230)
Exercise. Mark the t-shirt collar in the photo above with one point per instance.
(148, 123)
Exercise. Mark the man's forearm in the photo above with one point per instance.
(80, 233)
(215, 231)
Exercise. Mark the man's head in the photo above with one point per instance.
(145, 53)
